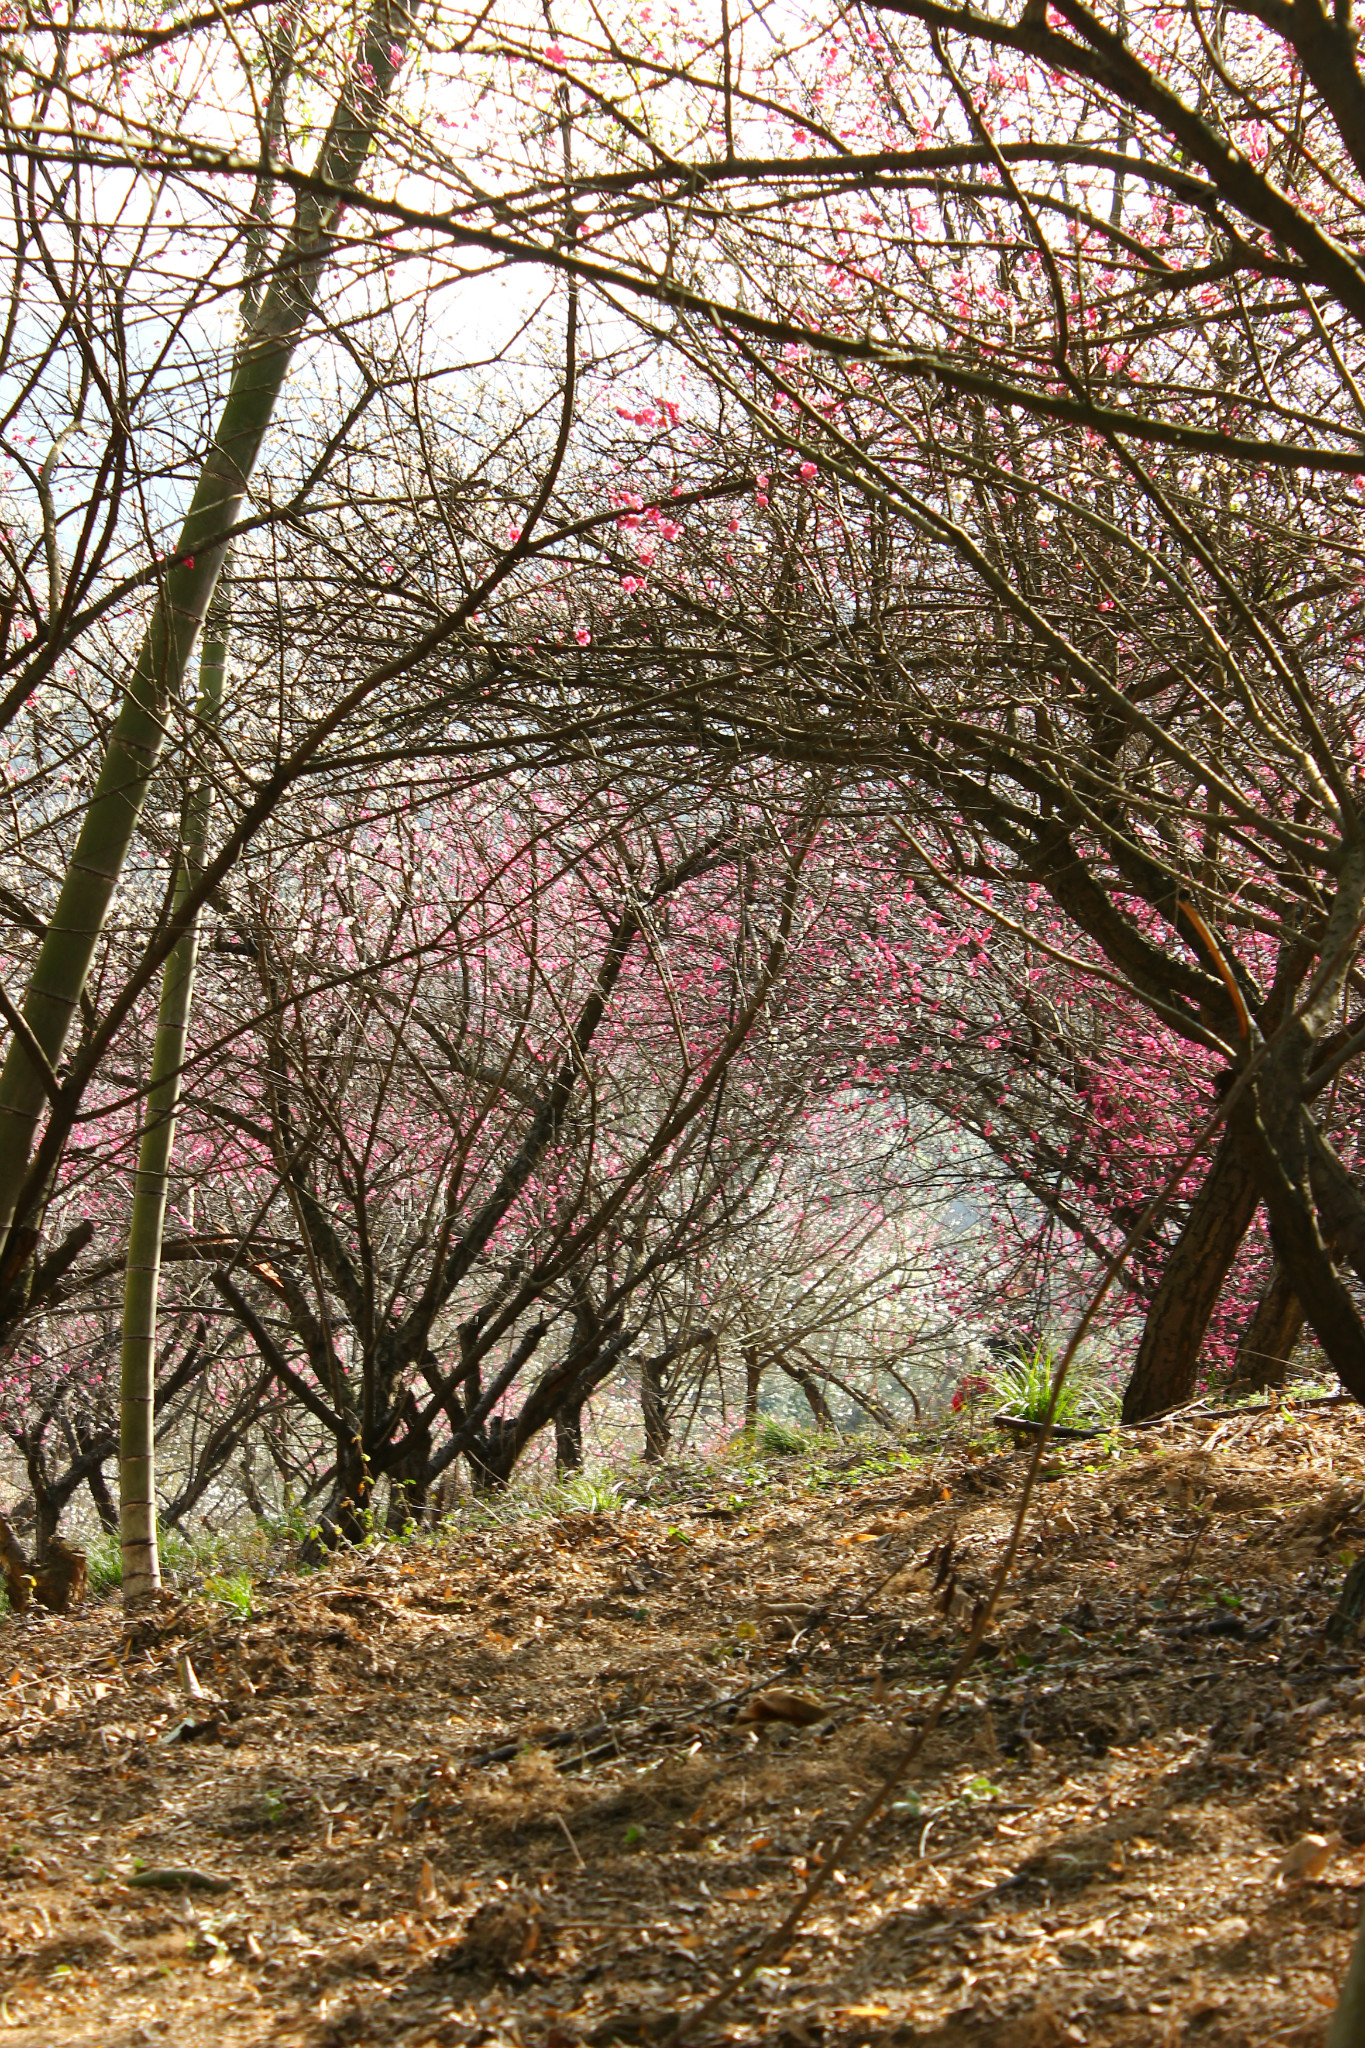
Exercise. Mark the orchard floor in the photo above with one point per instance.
(491, 1790)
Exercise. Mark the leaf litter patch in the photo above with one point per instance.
(551, 1783)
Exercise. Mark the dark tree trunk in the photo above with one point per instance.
(753, 1380)
(105, 1506)
(815, 1395)
(346, 1517)
(654, 1410)
(407, 1473)
(491, 1459)
(47, 1503)
(1192, 1280)
(1268, 1341)
(569, 1438)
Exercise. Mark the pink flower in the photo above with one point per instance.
(514, 534)
(760, 497)
(555, 54)
(808, 472)
(630, 584)
(395, 54)
(582, 636)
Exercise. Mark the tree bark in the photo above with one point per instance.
(569, 1438)
(654, 1410)
(1268, 1341)
(753, 1380)
(815, 1395)
(151, 1185)
(1220, 1215)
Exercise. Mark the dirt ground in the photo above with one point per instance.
(492, 1788)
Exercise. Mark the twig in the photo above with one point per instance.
(563, 1827)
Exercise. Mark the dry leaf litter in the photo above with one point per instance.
(510, 1787)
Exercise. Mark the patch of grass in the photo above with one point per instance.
(590, 1494)
(779, 1439)
(232, 1590)
(104, 1562)
(1023, 1387)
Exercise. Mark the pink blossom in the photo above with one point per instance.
(582, 636)
(514, 534)
(555, 54)
(808, 472)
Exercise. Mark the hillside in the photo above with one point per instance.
(491, 1788)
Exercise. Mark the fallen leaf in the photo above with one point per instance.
(800, 1709)
(428, 1899)
(1307, 1860)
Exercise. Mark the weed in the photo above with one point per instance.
(780, 1440)
(588, 1495)
(104, 1562)
(231, 1590)
(1023, 1387)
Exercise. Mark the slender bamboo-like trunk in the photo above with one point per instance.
(1347, 2029)
(182, 602)
(142, 1280)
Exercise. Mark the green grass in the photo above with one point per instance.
(233, 1590)
(779, 1440)
(1023, 1387)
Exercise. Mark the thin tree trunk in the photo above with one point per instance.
(815, 1395)
(1268, 1341)
(753, 1380)
(654, 1410)
(1192, 1280)
(142, 1280)
(181, 605)
(1348, 2022)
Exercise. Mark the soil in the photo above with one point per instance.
(495, 1787)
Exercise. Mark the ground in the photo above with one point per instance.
(492, 1788)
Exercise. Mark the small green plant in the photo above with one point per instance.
(780, 1440)
(231, 1590)
(1023, 1387)
(104, 1562)
(589, 1495)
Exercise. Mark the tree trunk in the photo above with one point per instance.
(1268, 1341)
(815, 1396)
(569, 1438)
(1347, 2029)
(1192, 1280)
(47, 1506)
(103, 1499)
(753, 1380)
(408, 1473)
(142, 1278)
(181, 605)
(654, 1410)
